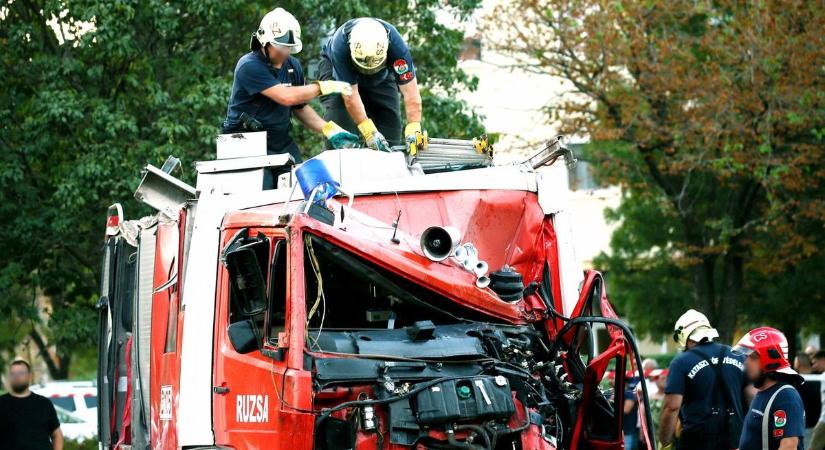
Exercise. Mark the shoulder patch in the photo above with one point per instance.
(779, 418)
(400, 66)
(407, 76)
(778, 433)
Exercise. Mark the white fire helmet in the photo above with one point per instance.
(693, 326)
(280, 28)
(368, 44)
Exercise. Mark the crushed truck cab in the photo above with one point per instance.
(240, 318)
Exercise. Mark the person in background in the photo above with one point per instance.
(818, 434)
(809, 393)
(811, 351)
(818, 362)
(28, 421)
(648, 366)
(776, 420)
(657, 398)
(705, 387)
(802, 364)
(630, 421)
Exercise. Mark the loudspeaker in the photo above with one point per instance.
(438, 243)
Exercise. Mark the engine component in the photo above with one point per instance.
(464, 399)
(367, 418)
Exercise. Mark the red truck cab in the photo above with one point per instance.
(239, 318)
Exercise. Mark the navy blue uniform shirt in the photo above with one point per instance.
(692, 377)
(399, 60)
(785, 419)
(254, 74)
(630, 421)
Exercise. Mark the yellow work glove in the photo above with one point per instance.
(334, 87)
(374, 139)
(668, 446)
(339, 137)
(415, 138)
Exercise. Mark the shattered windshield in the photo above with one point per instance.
(346, 292)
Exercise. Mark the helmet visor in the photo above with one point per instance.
(369, 64)
(287, 39)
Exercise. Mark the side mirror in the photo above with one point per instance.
(247, 279)
(243, 337)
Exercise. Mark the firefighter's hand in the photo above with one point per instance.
(668, 446)
(339, 137)
(415, 138)
(334, 87)
(374, 139)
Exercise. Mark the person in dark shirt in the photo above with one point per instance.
(371, 55)
(27, 421)
(776, 420)
(269, 87)
(818, 434)
(630, 419)
(706, 387)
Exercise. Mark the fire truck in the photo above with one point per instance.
(370, 301)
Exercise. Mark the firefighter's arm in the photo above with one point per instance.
(628, 405)
(57, 439)
(412, 100)
(309, 118)
(789, 443)
(292, 95)
(355, 106)
(296, 95)
(667, 423)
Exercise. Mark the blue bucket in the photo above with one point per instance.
(312, 174)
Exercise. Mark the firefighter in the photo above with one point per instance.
(705, 387)
(269, 87)
(776, 420)
(372, 56)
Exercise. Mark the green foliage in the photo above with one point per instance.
(91, 97)
(709, 115)
(88, 444)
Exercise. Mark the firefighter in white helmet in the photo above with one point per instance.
(706, 387)
(269, 87)
(371, 55)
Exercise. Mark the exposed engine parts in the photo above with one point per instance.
(498, 381)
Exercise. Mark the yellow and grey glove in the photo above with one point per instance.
(415, 138)
(668, 446)
(334, 87)
(339, 137)
(374, 139)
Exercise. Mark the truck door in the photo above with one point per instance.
(164, 361)
(598, 424)
(117, 285)
(250, 374)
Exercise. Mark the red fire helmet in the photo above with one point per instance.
(771, 346)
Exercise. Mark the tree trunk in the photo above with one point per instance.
(732, 276)
(58, 366)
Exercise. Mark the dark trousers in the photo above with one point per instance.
(381, 102)
(702, 440)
